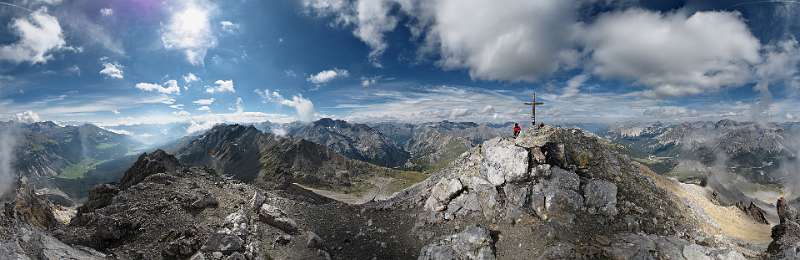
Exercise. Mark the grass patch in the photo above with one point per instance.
(79, 170)
(105, 146)
(405, 179)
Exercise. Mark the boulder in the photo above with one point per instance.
(207, 200)
(220, 242)
(441, 194)
(313, 240)
(257, 200)
(600, 197)
(556, 198)
(277, 218)
(475, 242)
(504, 162)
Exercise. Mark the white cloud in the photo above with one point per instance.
(370, 19)
(229, 27)
(781, 63)
(301, 105)
(177, 106)
(204, 108)
(39, 36)
(574, 85)
(112, 70)
(181, 113)
(326, 76)
(221, 86)
(435, 103)
(204, 102)
(673, 54)
(366, 82)
(510, 40)
(239, 108)
(107, 12)
(189, 30)
(169, 87)
(27, 117)
(190, 77)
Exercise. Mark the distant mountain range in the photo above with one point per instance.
(268, 160)
(423, 146)
(45, 149)
(757, 151)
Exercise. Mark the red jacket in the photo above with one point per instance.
(517, 129)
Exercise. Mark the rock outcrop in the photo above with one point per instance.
(149, 164)
(786, 235)
(474, 242)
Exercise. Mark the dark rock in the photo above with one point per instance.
(601, 197)
(33, 210)
(99, 196)
(555, 154)
(313, 240)
(204, 201)
(149, 164)
(754, 211)
(227, 243)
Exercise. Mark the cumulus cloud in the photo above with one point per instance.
(674, 54)
(112, 70)
(301, 105)
(189, 30)
(177, 106)
(229, 27)
(326, 76)
(106, 12)
(169, 87)
(190, 77)
(204, 108)
(27, 117)
(204, 102)
(221, 86)
(512, 40)
(39, 36)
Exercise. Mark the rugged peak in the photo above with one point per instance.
(31, 209)
(328, 122)
(158, 161)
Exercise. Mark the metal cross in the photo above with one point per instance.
(533, 105)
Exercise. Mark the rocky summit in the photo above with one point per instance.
(551, 193)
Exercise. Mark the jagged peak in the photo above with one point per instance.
(158, 161)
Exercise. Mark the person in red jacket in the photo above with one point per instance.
(517, 129)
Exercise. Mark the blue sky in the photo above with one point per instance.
(205, 62)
